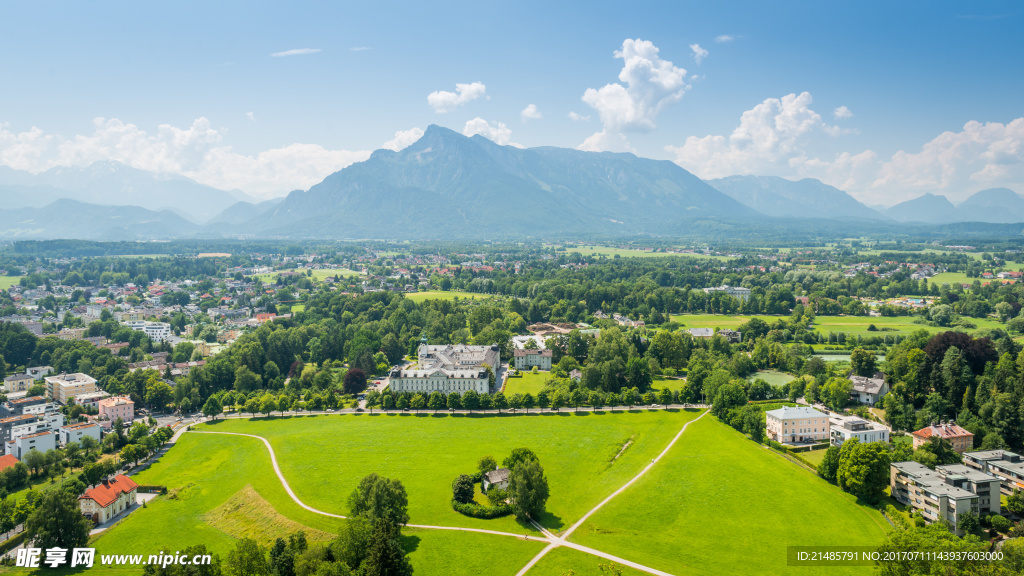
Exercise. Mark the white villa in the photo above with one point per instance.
(792, 425)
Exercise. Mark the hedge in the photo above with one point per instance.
(9, 544)
(485, 512)
(152, 489)
(897, 517)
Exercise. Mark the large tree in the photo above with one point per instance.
(385, 556)
(864, 470)
(378, 497)
(528, 489)
(354, 381)
(57, 522)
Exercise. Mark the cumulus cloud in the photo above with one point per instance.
(250, 115)
(842, 113)
(530, 113)
(402, 139)
(648, 85)
(197, 152)
(496, 132)
(295, 52)
(782, 137)
(724, 38)
(776, 132)
(699, 54)
(443, 101)
(579, 117)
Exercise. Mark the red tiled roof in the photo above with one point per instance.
(942, 431)
(7, 461)
(107, 492)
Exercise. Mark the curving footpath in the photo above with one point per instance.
(552, 540)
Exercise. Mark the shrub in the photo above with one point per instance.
(897, 517)
(462, 489)
(484, 512)
(1000, 523)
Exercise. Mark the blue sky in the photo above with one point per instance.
(236, 116)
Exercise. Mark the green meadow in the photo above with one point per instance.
(722, 504)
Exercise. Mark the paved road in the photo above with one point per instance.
(552, 540)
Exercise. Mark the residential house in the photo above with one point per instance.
(705, 333)
(843, 428)
(91, 399)
(117, 407)
(7, 461)
(961, 439)
(18, 383)
(731, 335)
(527, 359)
(39, 372)
(868, 390)
(109, 498)
(495, 479)
(41, 441)
(792, 425)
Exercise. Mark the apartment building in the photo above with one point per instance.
(944, 494)
(117, 407)
(41, 441)
(75, 432)
(794, 425)
(64, 387)
(843, 428)
(157, 331)
(1007, 466)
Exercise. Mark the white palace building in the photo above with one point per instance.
(448, 368)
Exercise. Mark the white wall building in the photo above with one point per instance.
(734, 291)
(845, 427)
(41, 441)
(75, 432)
(448, 368)
(157, 331)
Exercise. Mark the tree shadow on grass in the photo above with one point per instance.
(550, 521)
(410, 543)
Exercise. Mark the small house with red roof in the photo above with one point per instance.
(962, 440)
(109, 498)
(8, 461)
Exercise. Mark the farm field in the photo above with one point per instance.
(441, 295)
(527, 383)
(732, 504)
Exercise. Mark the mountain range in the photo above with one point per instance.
(446, 185)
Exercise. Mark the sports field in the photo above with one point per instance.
(721, 504)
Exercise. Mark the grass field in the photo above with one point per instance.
(561, 560)
(527, 383)
(8, 281)
(441, 295)
(721, 504)
(814, 456)
(773, 377)
(317, 274)
(825, 324)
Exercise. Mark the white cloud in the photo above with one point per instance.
(842, 113)
(296, 52)
(402, 139)
(250, 115)
(724, 38)
(699, 54)
(496, 132)
(782, 137)
(579, 117)
(197, 152)
(651, 84)
(442, 101)
(359, 49)
(776, 133)
(530, 113)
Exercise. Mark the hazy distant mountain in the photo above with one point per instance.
(929, 208)
(115, 184)
(446, 185)
(71, 219)
(242, 212)
(997, 205)
(807, 198)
